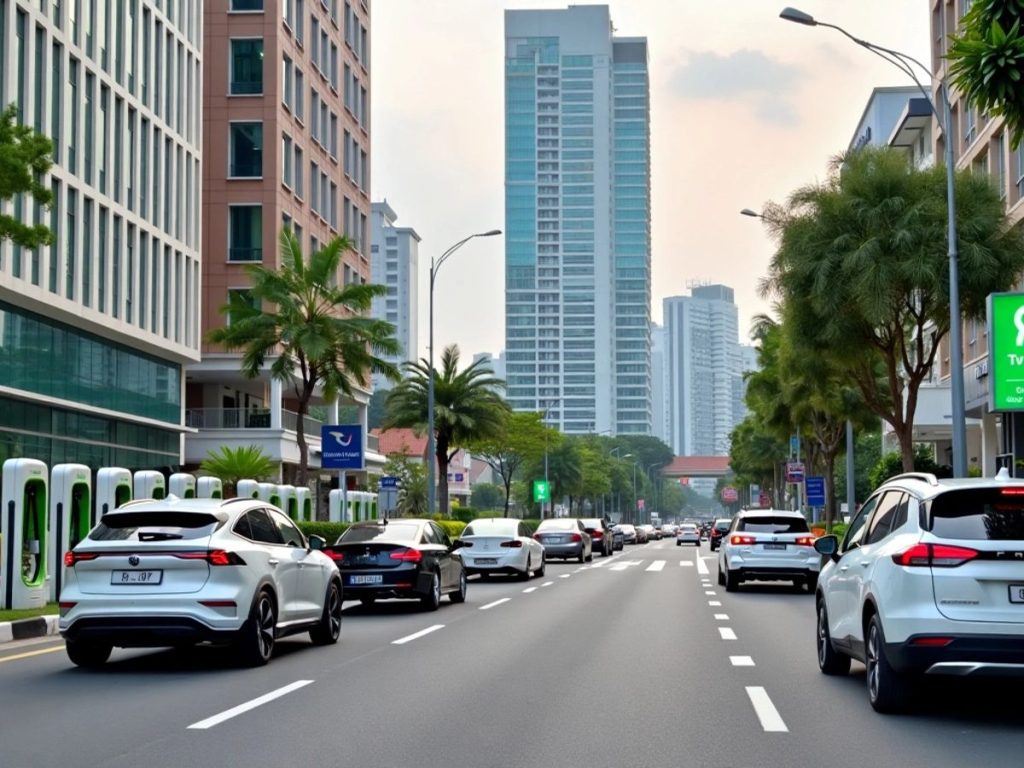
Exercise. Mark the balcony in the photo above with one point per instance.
(258, 419)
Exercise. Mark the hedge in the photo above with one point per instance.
(330, 531)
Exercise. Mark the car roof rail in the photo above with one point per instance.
(234, 499)
(927, 477)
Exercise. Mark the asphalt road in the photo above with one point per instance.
(628, 661)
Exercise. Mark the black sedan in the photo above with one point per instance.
(403, 558)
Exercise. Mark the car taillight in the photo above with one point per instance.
(575, 537)
(71, 557)
(935, 555)
(737, 539)
(805, 541)
(65, 606)
(537, 537)
(219, 603)
(335, 556)
(516, 543)
(212, 556)
(407, 555)
(932, 642)
(1012, 492)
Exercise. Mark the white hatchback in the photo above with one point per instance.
(928, 579)
(687, 533)
(768, 545)
(500, 545)
(177, 572)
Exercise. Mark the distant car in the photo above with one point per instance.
(601, 536)
(768, 545)
(653, 534)
(687, 533)
(618, 538)
(405, 558)
(183, 571)
(628, 533)
(669, 529)
(717, 530)
(565, 538)
(641, 534)
(500, 545)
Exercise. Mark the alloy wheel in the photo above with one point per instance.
(871, 660)
(334, 610)
(265, 622)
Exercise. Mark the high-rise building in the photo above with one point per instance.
(96, 328)
(286, 129)
(704, 362)
(660, 426)
(394, 263)
(577, 220)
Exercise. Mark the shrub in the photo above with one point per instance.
(330, 531)
(453, 528)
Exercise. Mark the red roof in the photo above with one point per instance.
(402, 441)
(682, 466)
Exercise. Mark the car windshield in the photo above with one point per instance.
(157, 525)
(592, 523)
(773, 525)
(489, 528)
(567, 524)
(391, 532)
(993, 514)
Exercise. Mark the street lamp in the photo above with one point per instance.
(546, 483)
(613, 452)
(431, 459)
(903, 62)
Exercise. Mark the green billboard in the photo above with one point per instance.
(1006, 351)
(541, 490)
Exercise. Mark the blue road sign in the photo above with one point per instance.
(341, 446)
(815, 491)
(388, 481)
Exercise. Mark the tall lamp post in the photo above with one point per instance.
(625, 456)
(903, 62)
(431, 459)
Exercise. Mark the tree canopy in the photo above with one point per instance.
(25, 158)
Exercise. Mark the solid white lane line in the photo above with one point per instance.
(721, 616)
(769, 716)
(715, 603)
(741, 661)
(227, 714)
(417, 635)
(685, 563)
(726, 633)
(702, 567)
(496, 602)
(657, 565)
(528, 590)
(547, 583)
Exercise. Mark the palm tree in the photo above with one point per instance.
(234, 464)
(467, 407)
(317, 333)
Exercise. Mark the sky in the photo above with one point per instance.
(745, 108)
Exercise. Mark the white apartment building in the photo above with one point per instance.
(394, 263)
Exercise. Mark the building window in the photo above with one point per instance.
(247, 67)
(246, 150)
(286, 161)
(246, 5)
(1019, 171)
(288, 83)
(245, 232)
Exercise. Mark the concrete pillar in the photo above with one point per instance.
(332, 412)
(276, 395)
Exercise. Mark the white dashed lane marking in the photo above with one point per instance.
(417, 635)
(495, 603)
(227, 714)
(721, 617)
(771, 720)
(528, 590)
(715, 603)
(657, 565)
(741, 661)
(726, 633)
(702, 567)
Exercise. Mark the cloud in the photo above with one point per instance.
(745, 75)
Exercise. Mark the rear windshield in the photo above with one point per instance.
(592, 523)
(772, 525)
(722, 525)
(990, 514)
(688, 527)
(389, 532)
(491, 529)
(568, 524)
(156, 526)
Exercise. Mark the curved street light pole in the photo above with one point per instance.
(903, 62)
(431, 459)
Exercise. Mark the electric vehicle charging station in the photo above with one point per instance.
(24, 541)
(336, 510)
(209, 488)
(149, 484)
(248, 489)
(289, 504)
(113, 488)
(182, 485)
(269, 493)
(70, 517)
(304, 501)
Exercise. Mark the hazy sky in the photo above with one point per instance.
(745, 108)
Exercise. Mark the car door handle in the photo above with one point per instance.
(844, 568)
(273, 561)
(865, 563)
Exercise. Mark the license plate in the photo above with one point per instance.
(374, 578)
(555, 539)
(136, 577)
(775, 546)
(486, 561)
(1017, 593)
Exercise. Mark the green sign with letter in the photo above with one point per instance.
(541, 490)
(1006, 351)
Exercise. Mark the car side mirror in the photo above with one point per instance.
(827, 545)
(317, 542)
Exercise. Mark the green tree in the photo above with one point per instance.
(234, 464)
(317, 333)
(468, 408)
(25, 158)
(488, 496)
(412, 484)
(523, 437)
(867, 450)
(862, 267)
(987, 61)
(891, 464)
(376, 411)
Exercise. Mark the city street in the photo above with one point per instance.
(635, 660)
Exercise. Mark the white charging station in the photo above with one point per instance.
(247, 489)
(304, 502)
(113, 488)
(24, 512)
(70, 517)
(288, 503)
(150, 484)
(209, 488)
(182, 485)
(269, 493)
(336, 509)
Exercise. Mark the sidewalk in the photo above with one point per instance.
(24, 629)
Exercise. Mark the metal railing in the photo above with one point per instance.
(246, 418)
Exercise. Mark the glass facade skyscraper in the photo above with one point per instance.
(577, 221)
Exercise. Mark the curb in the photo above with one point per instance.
(25, 629)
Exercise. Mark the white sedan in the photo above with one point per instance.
(687, 533)
(500, 545)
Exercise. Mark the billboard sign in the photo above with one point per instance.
(541, 490)
(815, 491)
(794, 471)
(1006, 351)
(341, 446)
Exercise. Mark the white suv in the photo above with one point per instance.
(929, 579)
(768, 545)
(177, 572)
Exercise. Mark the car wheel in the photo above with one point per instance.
(581, 557)
(539, 573)
(679, 543)
(590, 557)
(259, 632)
(328, 630)
(367, 601)
(87, 655)
(432, 600)
(721, 578)
(459, 595)
(812, 582)
(888, 690)
(732, 581)
(830, 661)
(525, 575)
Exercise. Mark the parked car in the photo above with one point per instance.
(687, 533)
(184, 571)
(717, 531)
(564, 537)
(405, 558)
(500, 545)
(928, 579)
(618, 538)
(600, 535)
(629, 535)
(653, 534)
(669, 529)
(641, 534)
(768, 545)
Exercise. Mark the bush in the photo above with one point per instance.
(453, 528)
(839, 530)
(330, 531)
(891, 464)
